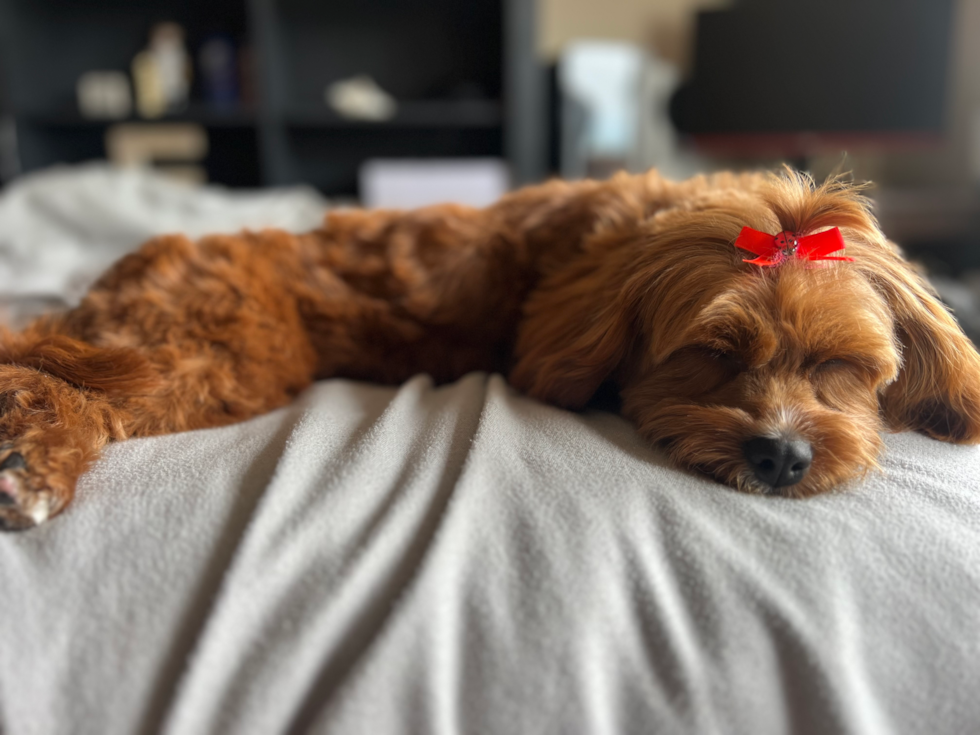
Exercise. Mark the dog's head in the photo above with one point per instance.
(771, 379)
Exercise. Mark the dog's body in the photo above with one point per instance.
(768, 379)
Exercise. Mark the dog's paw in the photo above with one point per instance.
(24, 500)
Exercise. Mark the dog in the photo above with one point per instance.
(775, 374)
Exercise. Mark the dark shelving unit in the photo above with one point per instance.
(465, 76)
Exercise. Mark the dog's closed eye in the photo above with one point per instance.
(839, 381)
(863, 367)
(729, 360)
(834, 363)
(699, 369)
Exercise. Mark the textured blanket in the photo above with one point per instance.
(463, 559)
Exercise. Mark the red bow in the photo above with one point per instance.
(774, 249)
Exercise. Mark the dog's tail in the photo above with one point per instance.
(111, 370)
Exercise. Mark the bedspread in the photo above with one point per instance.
(462, 559)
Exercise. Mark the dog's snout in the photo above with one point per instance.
(779, 462)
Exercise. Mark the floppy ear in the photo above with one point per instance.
(577, 328)
(938, 388)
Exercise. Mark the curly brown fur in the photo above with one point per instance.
(563, 286)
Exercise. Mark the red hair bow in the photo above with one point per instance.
(774, 249)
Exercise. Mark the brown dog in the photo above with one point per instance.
(771, 379)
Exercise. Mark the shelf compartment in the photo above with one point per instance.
(412, 114)
(209, 117)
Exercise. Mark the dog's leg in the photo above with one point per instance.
(51, 433)
(59, 405)
(62, 400)
(164, 343)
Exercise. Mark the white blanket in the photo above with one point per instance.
(464, 559)
(61, 228)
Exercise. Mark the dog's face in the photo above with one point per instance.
(773, 380)
(773, 384)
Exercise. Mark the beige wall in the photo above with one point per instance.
(664, 24)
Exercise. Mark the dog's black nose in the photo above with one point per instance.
(779, 462)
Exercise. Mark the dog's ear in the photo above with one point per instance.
(577, 328)
(938, 387)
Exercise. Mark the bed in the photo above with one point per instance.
(458, 558)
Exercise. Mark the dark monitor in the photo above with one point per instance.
(824, 69)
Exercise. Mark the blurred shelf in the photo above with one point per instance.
(414, 114)
(411, 114)
(453, 63)
(208, 116)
